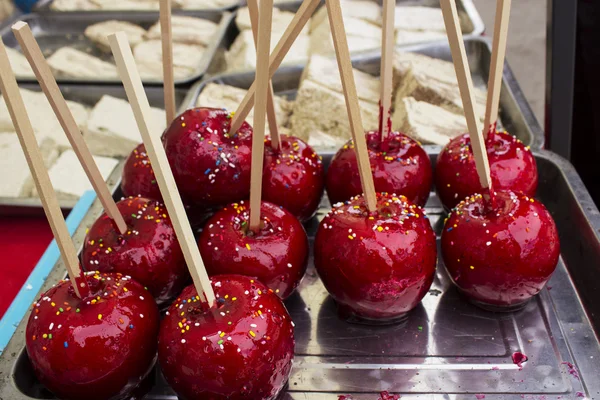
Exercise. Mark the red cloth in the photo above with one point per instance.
(23, 240)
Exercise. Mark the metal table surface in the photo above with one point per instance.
(448, 349)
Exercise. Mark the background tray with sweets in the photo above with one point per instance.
(45, 6)
(516, 115)
(54, 31)
(448, 349)
(471, 22)
(87, 95)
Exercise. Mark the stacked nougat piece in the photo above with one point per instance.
(319, 115)
(427, 103)
(229, 97)
(241, 55)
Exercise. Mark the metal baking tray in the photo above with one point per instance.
(87, 95)
(448, 349)
(516, 115)
(54, 31)
(44, 7)
(470, 19)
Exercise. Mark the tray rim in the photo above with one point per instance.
(58, 271)
(14, 313)
(509, 79)
(201, 71)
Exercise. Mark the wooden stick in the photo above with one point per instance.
(42, 71)
(164, 176)
(298, 23)
(271, 115)
(496, 65)
(387, 58)
(342, 52)
(465, 84)
(166, 34)
(18, 114)
(263, 47)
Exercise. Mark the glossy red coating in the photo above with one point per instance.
(241, 348)
(149, 251)
(277, 255)
(377, 266)
(512, 167)
(502, 257)
(97, 348)
(399, 164)
(211, 165)
(293, 177)
(138, 177)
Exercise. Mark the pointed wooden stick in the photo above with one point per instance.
(166, 34)
(465, 84)
(496, 65)
(42, 71)
(263, 45)
(271, 115)
(387, 58)
(342, 52)
(290, 35)
(18, 114)
(164, 176)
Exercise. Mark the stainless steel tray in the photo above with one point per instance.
(44, 7)
(57, 30)
(516, 115)
(88, 95)
(448, 349)
(466, 8)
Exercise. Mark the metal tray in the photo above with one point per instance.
(88, 95)
(466, 8)
(516, 115)
(67, 29)
(448, 349)
(44, 7)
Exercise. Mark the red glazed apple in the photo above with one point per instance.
(500, 258)
(512, 167)
(241, 348)
(376, 266)
(293, 177)
(138, 177)
(148, 251)
(399, 165)
(211, 165)
(277, 255)
(97, 348)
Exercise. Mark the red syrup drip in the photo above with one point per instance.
(519, 358)
(384, 145)
(82, 286)
(382, 396)
(572, 370)
(386, 396)
(488, 194)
